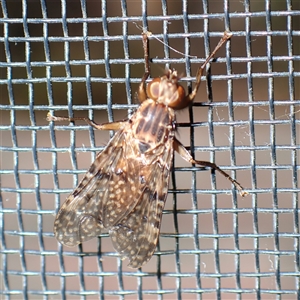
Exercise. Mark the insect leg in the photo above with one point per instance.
(142, 93)
(187, 156)
(104, 126)
(146, 52)
(191, 96)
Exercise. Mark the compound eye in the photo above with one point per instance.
(178, 101)
(153, 89)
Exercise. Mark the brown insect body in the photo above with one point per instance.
(136, 179)
(149, 139)
(126, 187)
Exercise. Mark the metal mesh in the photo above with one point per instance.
(85, 58)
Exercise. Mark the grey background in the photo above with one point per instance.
(86, 58)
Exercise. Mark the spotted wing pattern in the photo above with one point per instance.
(136, 236)
(121, 193)
(98, 202)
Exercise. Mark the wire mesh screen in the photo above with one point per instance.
(85, 58)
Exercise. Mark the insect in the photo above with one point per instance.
(125, 189)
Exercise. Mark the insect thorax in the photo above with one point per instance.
(153, 126)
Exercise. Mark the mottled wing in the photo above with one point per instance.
(99, 201)
(136, 236)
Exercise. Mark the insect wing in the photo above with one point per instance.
(101, 199)
(136, 236)
(124, 191)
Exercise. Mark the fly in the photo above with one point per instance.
(125, 189)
